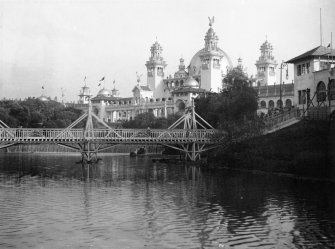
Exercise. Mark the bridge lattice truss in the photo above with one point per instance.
(189, 134)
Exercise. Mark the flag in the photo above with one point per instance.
(85, 78)
(113, 81)
(42, 87)
(99, 84)
(103, 78)
(328, 45)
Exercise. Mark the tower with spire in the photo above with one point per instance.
(155, 70)
(211, 55)
(266, 66)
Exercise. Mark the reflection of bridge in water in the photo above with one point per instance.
(190, 134)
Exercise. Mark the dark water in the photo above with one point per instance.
(49, 201)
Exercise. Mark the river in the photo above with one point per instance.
(52, 201)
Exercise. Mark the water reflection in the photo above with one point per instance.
(123, 202)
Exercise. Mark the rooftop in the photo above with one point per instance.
(319, 51)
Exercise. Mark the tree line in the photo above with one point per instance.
(34, 113)
(233, 109)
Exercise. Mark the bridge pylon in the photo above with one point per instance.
(88, 147)
(190, 122)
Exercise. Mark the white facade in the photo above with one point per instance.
(314, 79)
(164, 96)
(266, 66)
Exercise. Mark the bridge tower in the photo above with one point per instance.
(189, 122)
(88, 147)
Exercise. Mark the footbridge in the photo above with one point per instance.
(190, 134)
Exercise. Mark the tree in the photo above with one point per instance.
(236, 103)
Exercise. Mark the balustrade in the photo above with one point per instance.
(106, 135)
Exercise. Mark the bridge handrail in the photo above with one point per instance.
(51, 134)
(280, 118)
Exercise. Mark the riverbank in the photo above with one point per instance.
(54, 148)
(305, 149)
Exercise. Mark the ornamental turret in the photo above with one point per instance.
(211, 56)
(155, 70)
(266, 66)
(84, 95)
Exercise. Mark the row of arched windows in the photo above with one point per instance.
(321, 91)
(271, 104)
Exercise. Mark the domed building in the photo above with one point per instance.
(44, 98)
(163, 95)
(209, 64)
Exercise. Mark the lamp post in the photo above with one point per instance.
(283, 65)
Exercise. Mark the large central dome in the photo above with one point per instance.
(211, 52)
(195, 64)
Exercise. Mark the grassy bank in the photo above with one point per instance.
(305, 149)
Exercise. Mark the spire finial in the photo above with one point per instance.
(138, 78)
(266, 37)
(211, 21)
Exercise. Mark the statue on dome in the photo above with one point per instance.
(211, 21)
(138, 78)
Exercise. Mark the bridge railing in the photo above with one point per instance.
(146, 135)
(281, 118)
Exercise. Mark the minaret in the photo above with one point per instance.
(84, 95)
(181, 65)
(155, 68)
(266, 66)
(211, 55)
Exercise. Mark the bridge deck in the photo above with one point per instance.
(125, 136)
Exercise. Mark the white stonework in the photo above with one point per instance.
(166, 95)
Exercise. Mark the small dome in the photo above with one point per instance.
(191, 82)
(43, 98)
(104, 92)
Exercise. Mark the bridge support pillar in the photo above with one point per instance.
(89, 153)
(189, 123)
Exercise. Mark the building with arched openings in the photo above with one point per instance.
(163, 95)
(271, 94)
(314, 77)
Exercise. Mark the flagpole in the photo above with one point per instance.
(320, 28)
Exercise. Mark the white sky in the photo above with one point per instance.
(57, 43)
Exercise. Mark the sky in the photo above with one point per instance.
(55, 44)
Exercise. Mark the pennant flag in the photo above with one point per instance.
(103, 78)
(42, 87)
(99, 84)
(85, 78)
(113, 81)
(328, 45)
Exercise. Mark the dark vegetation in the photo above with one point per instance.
(34, 113)
(148, 119)
(303, 149)
(234, 108)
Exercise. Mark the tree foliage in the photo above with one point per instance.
(148, 119)
(234, 105)
(34, 113)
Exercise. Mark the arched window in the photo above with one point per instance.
(331, 88)
(279, 103)
(180, 105)
(321, 92)
(263, 104)
(271, 104)
(288, 103)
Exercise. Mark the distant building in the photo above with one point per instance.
(84, 95)
(270, 93)
(314, 78)
(164, 95)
